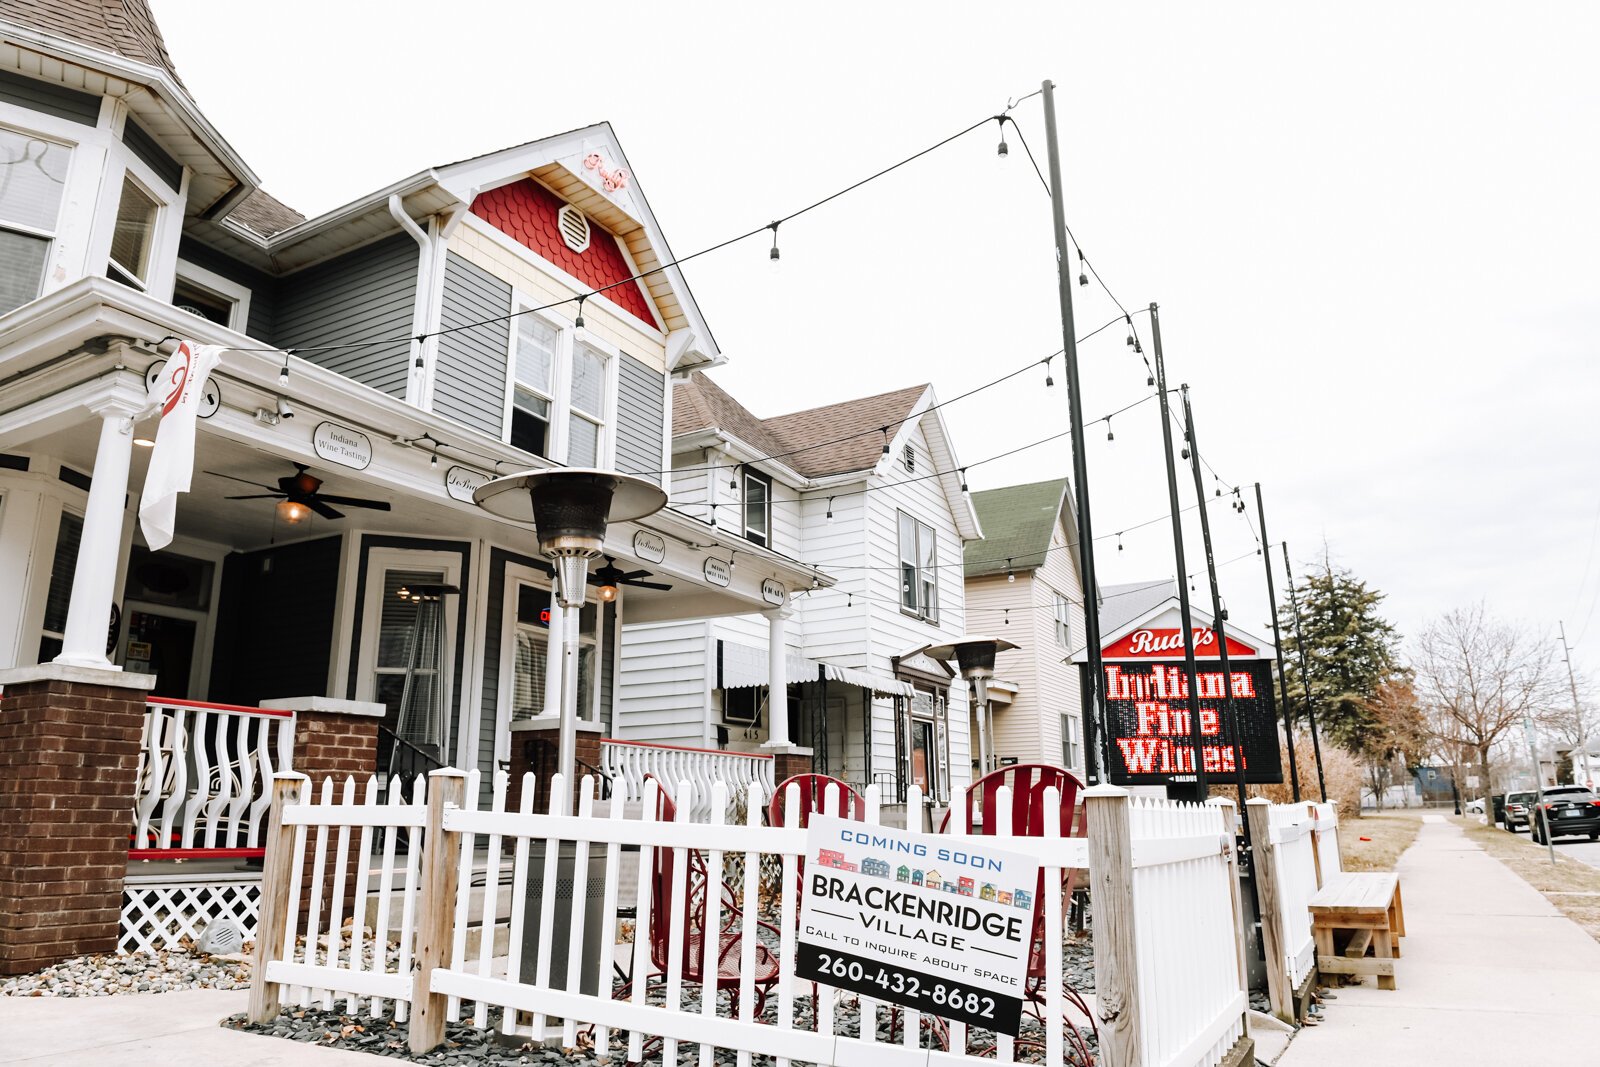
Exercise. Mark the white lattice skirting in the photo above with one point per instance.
(157, 912)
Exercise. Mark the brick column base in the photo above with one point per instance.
(333, 740)
(538, 750)
(69, 760)
(788, 762)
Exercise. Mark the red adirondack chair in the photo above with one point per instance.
(814, 791)
(697, 893)
(1028, 781)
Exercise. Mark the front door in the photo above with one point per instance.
(162, 645)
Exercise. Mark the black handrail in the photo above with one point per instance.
(413, 750)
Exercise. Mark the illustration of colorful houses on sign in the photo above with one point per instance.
(829, 858)
(1004, 897)
(932, 880)
(916, 877)
(902, 873)
(873, 867)
(966, 887)
(987, 892)
(1022, 899)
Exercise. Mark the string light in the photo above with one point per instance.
(733, 479)
(1002, 151)
(1119, 540)
(433, 459)
(830, 509)
(578, 324)
(1109, 435)
(713, 516)
(963, 481)
(283, 375)
(1049, 377)
(1011, 575)
(773, 255)
(1083, 279)
(885, 432)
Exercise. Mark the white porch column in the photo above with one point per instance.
(94, 578)
(778, 677)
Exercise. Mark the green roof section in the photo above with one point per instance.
(1017, 522)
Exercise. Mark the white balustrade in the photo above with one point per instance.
(205, 772)
(629, 763)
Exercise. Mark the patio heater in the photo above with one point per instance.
(974, 654)
(569, 508)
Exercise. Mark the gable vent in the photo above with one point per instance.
(910, 458)
(574, 228)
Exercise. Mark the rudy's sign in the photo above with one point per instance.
(942, 925)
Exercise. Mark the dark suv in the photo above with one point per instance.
(1567, 811)
(1518, 805)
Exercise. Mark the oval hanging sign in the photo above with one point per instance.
(461, 483)
(718, 571)
(342, 445)
(650, 547)
(774, 592)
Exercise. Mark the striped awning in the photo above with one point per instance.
(743, 666)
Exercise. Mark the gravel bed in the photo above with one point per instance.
(136, 972)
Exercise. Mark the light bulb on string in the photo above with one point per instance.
(733, 479)
(830, 509)
(773, 255)
(1011, 575)
(1049, 378)
(964, 479)
(1083, 278)
(1002, 151)
(433, 460)
(1185, 451)
(885, 432)
(1119, 540)
(1109, 435)
(713, 516)
(283, 375)
(577, 324)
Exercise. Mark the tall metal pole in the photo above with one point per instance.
(1095, 694)
(1196, 737)
(1277, 641)
(1219, 627)
(1577, 709)
(1305, 672)
(1540, 821)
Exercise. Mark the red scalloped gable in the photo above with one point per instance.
(526, 211)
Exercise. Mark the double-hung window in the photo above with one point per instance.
(560, 394)
(533, 387)
(757, 508)
(33, 174)
(133, 235)
(919, 569)
(1063, 621)
(1071, 740)
(586, 406)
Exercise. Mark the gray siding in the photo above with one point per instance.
(367, 293)
(641, 420)
(263, 287)
(144, 146)
(57, 100)
(470, 375)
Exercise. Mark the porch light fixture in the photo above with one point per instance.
(292, 512)
(569, 508)
(144, 442)
(607, 592)
(975, 654)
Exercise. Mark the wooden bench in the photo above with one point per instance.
(1367, 906)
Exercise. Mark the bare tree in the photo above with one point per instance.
(1478, 677)
(1396, 732)
(1571, 720)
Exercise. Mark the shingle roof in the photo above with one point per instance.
(1017, 523)
(264, 214)
(124, 27)
(1121, 604)
(809, 441)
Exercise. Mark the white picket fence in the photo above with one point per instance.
(1297, 853)
(204, 775)
(630, 763)
(1166, 929)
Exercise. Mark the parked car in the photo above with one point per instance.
(1567, 811)
(1518, 805)
(1475, 807)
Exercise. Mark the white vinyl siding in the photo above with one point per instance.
(35, 176)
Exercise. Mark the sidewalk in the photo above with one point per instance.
(1491, 973)
(176, 1029)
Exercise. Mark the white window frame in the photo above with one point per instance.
(153, 262)
(561, 408)
(920, 608)
(380, 561)
(219, 287)
(1063, 621)
(518, 575)
(744, 503)
(1071, 740)
(49, 236)
(49, 577)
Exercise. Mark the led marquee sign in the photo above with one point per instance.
(1147, 707)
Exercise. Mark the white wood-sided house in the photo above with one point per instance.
(886, 513)
(1023, 584)
(128, 222)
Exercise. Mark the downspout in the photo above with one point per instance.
(417, 374)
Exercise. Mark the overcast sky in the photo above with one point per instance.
(1371, 230)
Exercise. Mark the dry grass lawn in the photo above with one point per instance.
(1573, 887)
(1387, 836)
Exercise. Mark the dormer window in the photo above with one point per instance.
(33, 173)
(561, 392)
(757, 508)
(133, 236)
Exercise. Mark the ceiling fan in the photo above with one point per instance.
(610, 576)
(303, 488)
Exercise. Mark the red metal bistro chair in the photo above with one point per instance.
(1028, 781)
(814, 790)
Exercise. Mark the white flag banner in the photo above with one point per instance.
(178, 391)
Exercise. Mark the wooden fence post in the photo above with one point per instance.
(1259, 811)
(1116, 966)
(436, 908)
(277, 873)
(1241, 931)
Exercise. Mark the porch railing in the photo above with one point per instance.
(205, 775)
(629, 763)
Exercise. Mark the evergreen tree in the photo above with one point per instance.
(1350, 651)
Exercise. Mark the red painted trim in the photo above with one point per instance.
(239, 709)
(684, 748)
(195, 853)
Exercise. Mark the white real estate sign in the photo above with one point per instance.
(939, 924)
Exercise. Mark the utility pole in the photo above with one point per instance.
(1577, 709)
(1305, 673)
(1277, 641)
(1094, 702)
(1196, 738)
(1539, 818)
(1230, 714)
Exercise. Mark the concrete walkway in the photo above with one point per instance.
(174, 1029)
(1492, 973)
